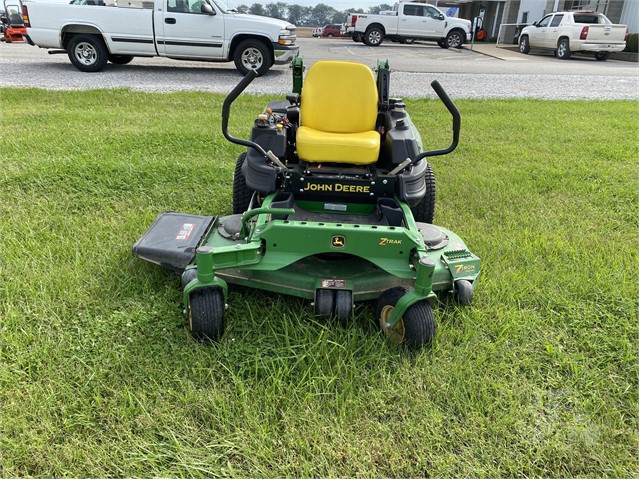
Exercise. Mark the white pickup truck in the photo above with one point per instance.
(412, 20)
(566, 33)
(94, 32)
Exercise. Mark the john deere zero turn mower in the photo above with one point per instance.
(333, 201)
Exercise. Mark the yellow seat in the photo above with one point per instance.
(338, 113)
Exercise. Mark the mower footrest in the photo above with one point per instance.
(172, 239)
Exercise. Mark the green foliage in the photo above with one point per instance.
(99, 377)
(318, 15)
(631, 44)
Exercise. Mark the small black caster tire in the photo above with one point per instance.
(464, 292)
(188, 276)
(324, 302)
(343, 306)
(206, 314)
(415, 329)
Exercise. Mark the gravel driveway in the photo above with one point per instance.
(463, 73)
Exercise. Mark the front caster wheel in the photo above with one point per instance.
(464, 292)
(206, 314)
(324, 302)
(416, 328)
(343, 306)
(337, 304)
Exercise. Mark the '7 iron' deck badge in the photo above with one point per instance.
(338, 241)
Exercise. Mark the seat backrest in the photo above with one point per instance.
(339, 97)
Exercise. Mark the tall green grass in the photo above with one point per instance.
(99, 376)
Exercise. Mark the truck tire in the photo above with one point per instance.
(442, 43)
(601, 56)
(374, 37)
(252, 54)
(88, 53)
(455, 39)
(524, 45)
(563, 49)
(120, 59)
(357, 37)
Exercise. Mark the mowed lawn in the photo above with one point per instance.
(99, 376)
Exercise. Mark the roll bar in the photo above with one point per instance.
(443, 96)
(226, 110)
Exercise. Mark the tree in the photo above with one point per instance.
(298, 14)
(242, 8)
(380, 8)
(276, 10)
(321, 14)
(257, 9)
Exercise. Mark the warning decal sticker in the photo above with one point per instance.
(185, 231)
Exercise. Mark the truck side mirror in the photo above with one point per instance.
(441, 16)
(207, 9)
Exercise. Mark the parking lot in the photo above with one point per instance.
(481, 72)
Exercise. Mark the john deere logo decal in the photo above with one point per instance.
(338, 241)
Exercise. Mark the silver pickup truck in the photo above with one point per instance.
(566, 33)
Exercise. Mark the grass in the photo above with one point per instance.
(99, 377)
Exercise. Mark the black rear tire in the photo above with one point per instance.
(601, 56)
(524, 45)
(88, 53)
(563, 49)
(241, 193)
(424, 211)
(374, 37)
(206, 314)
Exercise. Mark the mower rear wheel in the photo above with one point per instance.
(343, 306)
(424, 211)
(324, 302)
(464, 292)
(416, 328)
(206, 314)
(241, 193)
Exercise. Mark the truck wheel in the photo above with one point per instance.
(120, 59)
(374, 37)
(252, 55)
(455, 39)
(601, 56)
(524, 45)
(87, 53)
(563, 49)
(357, 37)
(442, 43)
